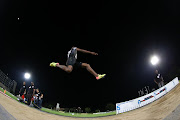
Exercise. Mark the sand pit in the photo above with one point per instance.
(157, 110)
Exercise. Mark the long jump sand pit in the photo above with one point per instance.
(157, 110)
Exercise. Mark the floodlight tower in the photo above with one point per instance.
(27, 76)
(154, 60)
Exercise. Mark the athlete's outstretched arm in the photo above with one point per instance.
(86, 51)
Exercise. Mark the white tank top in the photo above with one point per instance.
(69, 52)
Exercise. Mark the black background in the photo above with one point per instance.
(124, 34)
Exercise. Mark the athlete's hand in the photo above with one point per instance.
(93, 53)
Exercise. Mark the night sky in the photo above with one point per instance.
(124, 34)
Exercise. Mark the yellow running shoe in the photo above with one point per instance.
(53, 64)
(100, 76)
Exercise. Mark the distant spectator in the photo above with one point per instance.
(158, 79)
(30, 93)
(39, 98)
(22, 91)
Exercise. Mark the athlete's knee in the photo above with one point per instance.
(68, 70)
(87, 65)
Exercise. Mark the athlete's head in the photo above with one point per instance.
(32, 83)
(156, 71)
(24, 83)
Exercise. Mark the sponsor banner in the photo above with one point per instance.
(5, 94)
(144, 100)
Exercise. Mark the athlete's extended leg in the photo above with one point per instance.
(88, 67)
(68, 68)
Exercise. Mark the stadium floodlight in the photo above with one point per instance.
(154, 60)
(27, 75)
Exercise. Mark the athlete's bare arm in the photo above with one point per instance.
(86, 51)
(41, 95)
(24, 91)
(155, 81)
(162, 78)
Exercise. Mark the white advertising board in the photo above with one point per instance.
(144, 100)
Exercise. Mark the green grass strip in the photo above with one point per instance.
(77, 114)
(64, 113)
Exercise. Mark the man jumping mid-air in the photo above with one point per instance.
(71, 62)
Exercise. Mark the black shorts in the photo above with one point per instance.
(72, 61)
(76, 64)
